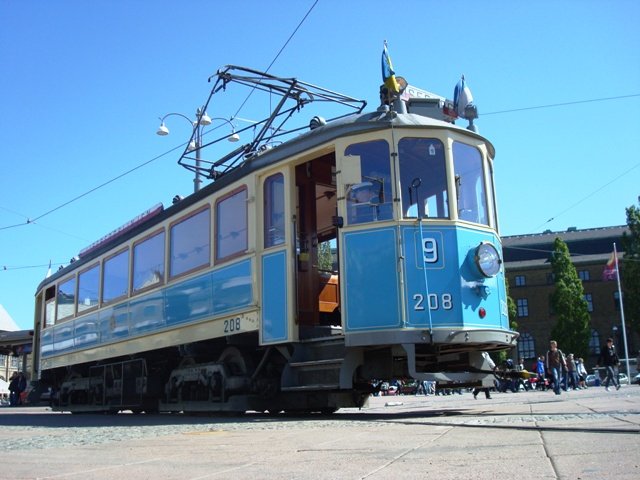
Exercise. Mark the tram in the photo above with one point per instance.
(359, 248)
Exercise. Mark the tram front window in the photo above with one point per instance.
(368, 189)
(470, 187)
(423, 178)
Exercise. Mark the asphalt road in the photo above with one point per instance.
(588, 434)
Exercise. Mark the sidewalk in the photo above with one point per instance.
(586, 434)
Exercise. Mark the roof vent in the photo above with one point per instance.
(572, 229)
(316, 122)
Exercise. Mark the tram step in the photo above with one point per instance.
(318, 364)
(310, 388)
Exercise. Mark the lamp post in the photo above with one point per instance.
(202, 120)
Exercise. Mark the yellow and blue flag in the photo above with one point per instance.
(388, 75)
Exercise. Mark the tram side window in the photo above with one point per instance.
(148, 262)
(274, 210)
(65, 306)
(190, 243)
(368, 186)
(115, 277)
(231, 225)
(423, 178)
(50, 307)
(88, 284)
(470, 188)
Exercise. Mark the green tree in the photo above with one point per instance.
(630, 269)
(512, 310)
(325, 256)
(572, 329)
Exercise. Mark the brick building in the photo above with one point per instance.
(528, 271)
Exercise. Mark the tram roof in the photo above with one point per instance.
(343, 127)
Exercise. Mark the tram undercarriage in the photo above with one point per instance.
(319, 375)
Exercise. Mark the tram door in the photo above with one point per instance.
(316, 247)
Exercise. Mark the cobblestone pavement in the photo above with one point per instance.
(580, 434)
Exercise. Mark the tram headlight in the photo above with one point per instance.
(488, 259)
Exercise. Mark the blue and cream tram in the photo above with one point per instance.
(363, 248)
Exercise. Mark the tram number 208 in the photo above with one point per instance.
(434, 301)
(232, 325)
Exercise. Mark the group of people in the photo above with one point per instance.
(565, 372)
(556, 365)
(17, 385)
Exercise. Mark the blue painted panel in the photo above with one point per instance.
(86, 331)
(431, 277)
(46, 342)
(451, 292)
(232, 287)
(146, 313)
(63, 337)
(371, 280)
(114, 322)
(274, 297)
(472, 281)
(189, 300)
(212, 293)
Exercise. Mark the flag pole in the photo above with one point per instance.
(624, 330)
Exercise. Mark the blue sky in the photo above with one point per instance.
(83, 84)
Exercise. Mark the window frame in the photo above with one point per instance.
(104, 261)
(98, 303)
(444, 165)
(520, 280)
(488, 199)
(219, 260)
(169, 253)
(267, 210)
(588, 297)
(522, 304)
(74, 277)
(530, 342)
(584, 275)
(162, 281)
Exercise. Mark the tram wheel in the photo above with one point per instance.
(237, 362)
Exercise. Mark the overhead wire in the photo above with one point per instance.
(563, 104)
(587, 196)
(78, 197)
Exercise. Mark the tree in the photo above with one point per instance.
(630, 269)
(325, 256)
(512, 311)
(572, 329)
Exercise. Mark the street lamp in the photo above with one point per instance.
(202, 120)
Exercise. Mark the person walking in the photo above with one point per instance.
(492, 366)
(582, 373)
(555, 362)
(540, 371)
(609, 358)
(14, 389)
(573, 373)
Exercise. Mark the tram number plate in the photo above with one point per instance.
(232, 325)
(435, 302)
(429, 250)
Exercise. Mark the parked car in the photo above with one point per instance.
(636, 379)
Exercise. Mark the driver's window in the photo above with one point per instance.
(470, 188)
(368, 182)
(423, 178)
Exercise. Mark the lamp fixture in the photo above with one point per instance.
(162, 130)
